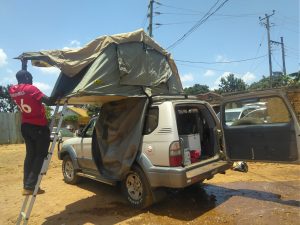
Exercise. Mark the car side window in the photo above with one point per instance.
(151, 121)
(268, 110)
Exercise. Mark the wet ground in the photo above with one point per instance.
(267, 194)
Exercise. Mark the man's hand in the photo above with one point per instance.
(49, 100)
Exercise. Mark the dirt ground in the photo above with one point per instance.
(267, 194)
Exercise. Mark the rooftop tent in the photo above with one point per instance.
(108, 71)
(111, 68)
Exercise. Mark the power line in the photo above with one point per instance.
(144, 20)
(233, 61)
(175, 23)
(199, 12)
(191, 21)
(199, 23)
(258, 49)
(292, 20)
(258, 65)
(290, 48)
(206, 68)
(178, 14)
(277, 62)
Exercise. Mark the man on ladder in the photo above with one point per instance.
(34, 128)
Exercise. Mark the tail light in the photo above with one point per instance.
(175, 154)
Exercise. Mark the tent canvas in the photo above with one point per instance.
(113, 68)
(125, 64)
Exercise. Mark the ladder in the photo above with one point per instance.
(30, 199)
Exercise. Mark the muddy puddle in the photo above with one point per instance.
(230, 203)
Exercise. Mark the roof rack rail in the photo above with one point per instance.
(156, 98)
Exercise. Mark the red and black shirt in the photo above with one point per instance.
(28, 98)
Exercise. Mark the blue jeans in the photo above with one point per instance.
(37, 140)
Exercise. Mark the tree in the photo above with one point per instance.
(6, 102)
(196, 89)
(277, 81)
(48, 113)
(231, 84)
(71, 118)
(295, 79)
(93, 110)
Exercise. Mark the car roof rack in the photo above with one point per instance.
(157, 98)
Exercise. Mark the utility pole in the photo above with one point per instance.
(283, 56)
(267, 25)
(282, 53)
(150, 16)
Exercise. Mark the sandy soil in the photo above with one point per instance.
(267, 194)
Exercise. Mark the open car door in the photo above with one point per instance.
(260, 126)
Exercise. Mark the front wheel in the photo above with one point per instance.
(68, 171)
(136, 188)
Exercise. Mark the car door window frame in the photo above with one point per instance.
(223, 116)
(232, 133)
(91, 123)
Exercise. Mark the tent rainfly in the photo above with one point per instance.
(111, 68)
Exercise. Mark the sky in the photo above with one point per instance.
(232, 40)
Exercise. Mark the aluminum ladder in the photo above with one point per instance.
(30, 199)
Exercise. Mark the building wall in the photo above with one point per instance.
(10, 128)
(294, 97)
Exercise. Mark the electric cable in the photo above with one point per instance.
(275, 60)
(232, 61)
(258, 49)
(217, 14)
(199, 23)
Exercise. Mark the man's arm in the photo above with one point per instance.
(48, 100)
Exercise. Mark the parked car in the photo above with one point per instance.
(183, 144)
(234, 114)
(63, 135)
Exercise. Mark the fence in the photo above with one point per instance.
(10, 128)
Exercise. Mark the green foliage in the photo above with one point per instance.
(48, 113)
(231, 84)
(71, 118)
(6, 102)
(295, 76)
(93, 110)
(196, 89)
(295, 79)
(277, 81)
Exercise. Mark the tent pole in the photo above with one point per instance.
(24, 64)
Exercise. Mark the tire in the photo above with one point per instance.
(136, 189)
(68, 171)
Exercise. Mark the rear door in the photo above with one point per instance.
(268, 133)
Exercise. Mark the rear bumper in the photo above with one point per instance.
(179, 177)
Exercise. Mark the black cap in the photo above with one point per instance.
(23, 76)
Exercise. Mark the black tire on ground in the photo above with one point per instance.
(136, 188)
(68, 171)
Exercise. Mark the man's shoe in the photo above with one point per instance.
(27, 192)
(30, 192)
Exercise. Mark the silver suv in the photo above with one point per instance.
(183, 144)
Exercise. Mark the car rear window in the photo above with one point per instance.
(151, 120)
